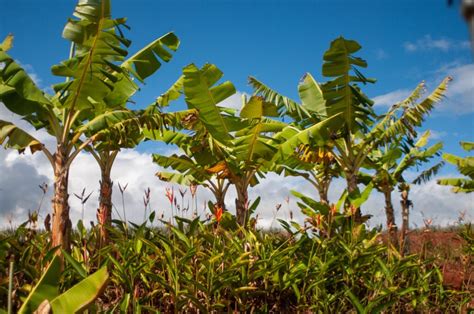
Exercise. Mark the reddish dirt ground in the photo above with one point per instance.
(447, 248)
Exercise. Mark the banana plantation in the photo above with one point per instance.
(222, 261)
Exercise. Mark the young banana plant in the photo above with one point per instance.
(390, 163)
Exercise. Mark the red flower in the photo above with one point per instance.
(170, 195)
(218, 213)
(353, 210)
(319, 218)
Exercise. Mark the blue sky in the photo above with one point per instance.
(404, 43)
(276, 41)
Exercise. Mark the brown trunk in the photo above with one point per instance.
(104, 212)
(241, 204)
(391, 225)
(351, 179)
(405, 203)
(61, 230)
(323, 192)
(323, 197)
(220, 199)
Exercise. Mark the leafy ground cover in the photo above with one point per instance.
(198, 266)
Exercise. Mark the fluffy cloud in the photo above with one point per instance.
(460, 94)
(21, 174)
(427, 43)
(387, 100)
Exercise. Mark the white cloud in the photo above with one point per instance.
(427, 43)
(234, 101)
(32, 73)
(459, 96)
(437, 135)
(391, 98)
(21, 174)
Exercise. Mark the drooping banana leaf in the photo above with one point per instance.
(45, 289)
(19, 93)
(147, 61)
(13, 137)
(183, 164)
(82, 294)
(202, 95)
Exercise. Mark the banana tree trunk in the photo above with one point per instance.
(405, 203)
(389, 213)
(220, 199)
(61, 228)
(241, 204)
(323, 196)
(351, 179)
(104, 212)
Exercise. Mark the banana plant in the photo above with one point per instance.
(197, 165)
(358, 130)
(390, 163)
(98, 81)
(238, 149)
(314, 163)
(200, 131)
(127, 132)
(465, 167)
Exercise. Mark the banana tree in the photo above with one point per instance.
(465, 166)
(126, 131)
(390, 162)
(314, 163)
(224, 146)
(105, 149)
(200, 131)
(197, 165)
(358, 130)
(341, 97)
(222, 149)
(98, 81)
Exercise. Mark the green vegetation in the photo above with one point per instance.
(465, 166)
(331, 264)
